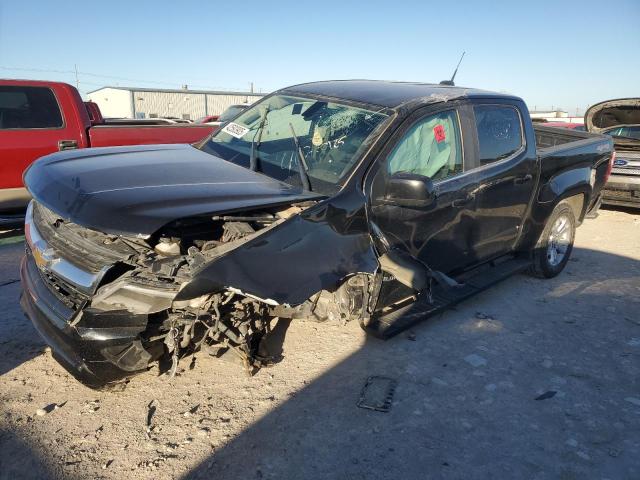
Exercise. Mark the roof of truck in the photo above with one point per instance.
(179, 90)
(389, 94)
(30, 83)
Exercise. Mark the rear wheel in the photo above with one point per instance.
(554, 247)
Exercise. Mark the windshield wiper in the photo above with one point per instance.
(302, 163)
(253, 158)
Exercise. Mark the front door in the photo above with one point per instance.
(430, 143)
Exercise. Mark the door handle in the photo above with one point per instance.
(461, 202)
(522, 180)
(67, 144)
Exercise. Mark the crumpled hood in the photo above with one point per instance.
(137, 190)
(611, 113)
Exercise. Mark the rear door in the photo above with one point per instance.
(31, 125)
(505, 171)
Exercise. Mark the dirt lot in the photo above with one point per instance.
(533, 379)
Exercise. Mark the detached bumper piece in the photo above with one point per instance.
(96, 348)
(386, 325)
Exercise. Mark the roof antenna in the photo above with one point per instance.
(450, 83)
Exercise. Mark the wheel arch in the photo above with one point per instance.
(573, 186)
(578, 204)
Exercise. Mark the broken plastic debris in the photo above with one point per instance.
(41, 412)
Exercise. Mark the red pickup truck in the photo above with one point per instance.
(38, 118)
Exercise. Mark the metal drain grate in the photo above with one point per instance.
(377, 394)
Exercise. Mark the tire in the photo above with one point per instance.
(555, 245)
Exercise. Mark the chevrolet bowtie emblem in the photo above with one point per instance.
(44, 258)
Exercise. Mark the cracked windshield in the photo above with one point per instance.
(304, 142)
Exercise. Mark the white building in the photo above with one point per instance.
(556, 116)
(129, 102)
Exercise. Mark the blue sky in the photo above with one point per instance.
(565, 54)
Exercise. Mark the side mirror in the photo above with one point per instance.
(409, 190)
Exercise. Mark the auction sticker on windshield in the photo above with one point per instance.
(235, 130)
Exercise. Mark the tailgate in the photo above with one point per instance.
(115, 135)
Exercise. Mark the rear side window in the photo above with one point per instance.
(430, 148)
(499, 132)
(28, 107)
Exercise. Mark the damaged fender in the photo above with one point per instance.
(311, 252)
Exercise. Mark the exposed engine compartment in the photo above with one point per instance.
(220, 322)
(141, 278)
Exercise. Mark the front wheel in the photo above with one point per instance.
(554, 247)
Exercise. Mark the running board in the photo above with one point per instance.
(388, 325)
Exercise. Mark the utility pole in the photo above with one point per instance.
(77, 81)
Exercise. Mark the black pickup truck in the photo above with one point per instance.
(380, 202)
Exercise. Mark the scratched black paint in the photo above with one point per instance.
(476, 216)
(137, 190)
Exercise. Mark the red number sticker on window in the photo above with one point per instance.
(438, 132)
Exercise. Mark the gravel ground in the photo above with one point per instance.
(533, 379)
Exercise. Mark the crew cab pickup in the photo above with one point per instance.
(379, 202)
(620, 119)
(38, 118)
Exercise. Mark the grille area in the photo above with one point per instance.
(70, 259)
(626, 171)
(65, 292)
(88, 249)
(628, 155)
(618, 194)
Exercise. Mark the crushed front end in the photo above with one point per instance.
(106, 303)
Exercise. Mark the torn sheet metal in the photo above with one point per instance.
(314, 251)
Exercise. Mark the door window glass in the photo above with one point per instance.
(499, 132)
(28, 107)
(431, 148)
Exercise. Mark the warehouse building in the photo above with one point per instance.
(129, 102)
(555, 116)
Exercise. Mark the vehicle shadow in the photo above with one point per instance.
(617, 208)
(18, 461)
(19, 342)
(526, 380)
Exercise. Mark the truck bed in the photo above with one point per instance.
(564, 152)
(117, 135)
(560, 149)
(549, 137)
